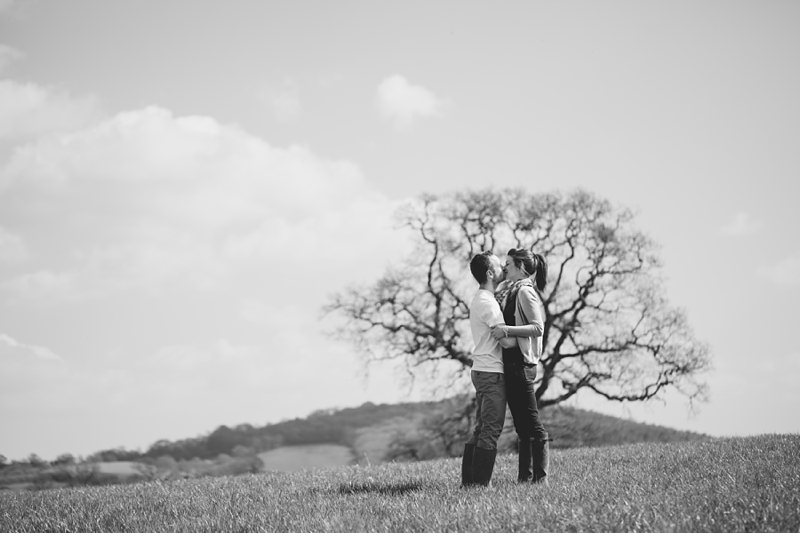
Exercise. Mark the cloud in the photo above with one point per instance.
(197, 257)
(402, 103)
(8, 54)
(785, 272)
(283, 101)
(39, 351)
(28, 110)
(203, 172)
(741, 225)
(148, 201)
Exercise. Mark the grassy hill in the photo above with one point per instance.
(367, 435)
(422, 430)
(571, 427)
(724, 485)
(438, 431)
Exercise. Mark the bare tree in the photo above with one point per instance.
(608, 326)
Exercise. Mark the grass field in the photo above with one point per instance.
(737, 484)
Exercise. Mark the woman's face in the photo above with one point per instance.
(512, 272)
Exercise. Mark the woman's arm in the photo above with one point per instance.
(529, 301)
(504, 332)
(505, 340)
(508, 342)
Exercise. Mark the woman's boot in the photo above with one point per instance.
(482, 466)
(466, 465)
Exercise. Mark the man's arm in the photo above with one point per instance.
(495, 320)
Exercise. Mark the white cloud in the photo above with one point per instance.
(39, 351)
(147, 201)
(28, 110)
(8, 55)
(202, 171)
(785, 272)
(198, 257)
(742, 224)
(402, 102)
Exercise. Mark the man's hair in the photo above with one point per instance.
(479, 265)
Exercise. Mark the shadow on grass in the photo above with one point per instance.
(388, 489)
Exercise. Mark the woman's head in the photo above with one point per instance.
(521, 264)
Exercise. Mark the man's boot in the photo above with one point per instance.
(524, 446)
(466, 465)
(482, 466)
(540, 451)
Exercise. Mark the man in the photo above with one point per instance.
(480, 450)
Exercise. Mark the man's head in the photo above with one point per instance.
(486, 266)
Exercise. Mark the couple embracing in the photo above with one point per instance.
(507, 322)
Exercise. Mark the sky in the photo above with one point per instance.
(184, 184)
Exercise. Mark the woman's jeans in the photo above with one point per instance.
(521, 398)
(490, 395)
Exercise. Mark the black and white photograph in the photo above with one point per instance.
(399, 266)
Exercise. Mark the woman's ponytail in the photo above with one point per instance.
(540, 278)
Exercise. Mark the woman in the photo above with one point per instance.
(522, 306)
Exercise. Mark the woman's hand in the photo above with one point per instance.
(499, 331)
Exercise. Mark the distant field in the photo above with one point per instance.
(120, 468)
(716, 485)
(297, 458)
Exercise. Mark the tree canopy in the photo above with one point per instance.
(608, 325)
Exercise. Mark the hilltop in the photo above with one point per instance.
(414, 430)
(366, 435)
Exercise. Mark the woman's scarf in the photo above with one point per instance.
(509, 289)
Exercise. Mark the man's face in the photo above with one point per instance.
(496, 268)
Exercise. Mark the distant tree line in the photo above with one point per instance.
(431, 430)
(444, 430)
(327, 426)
